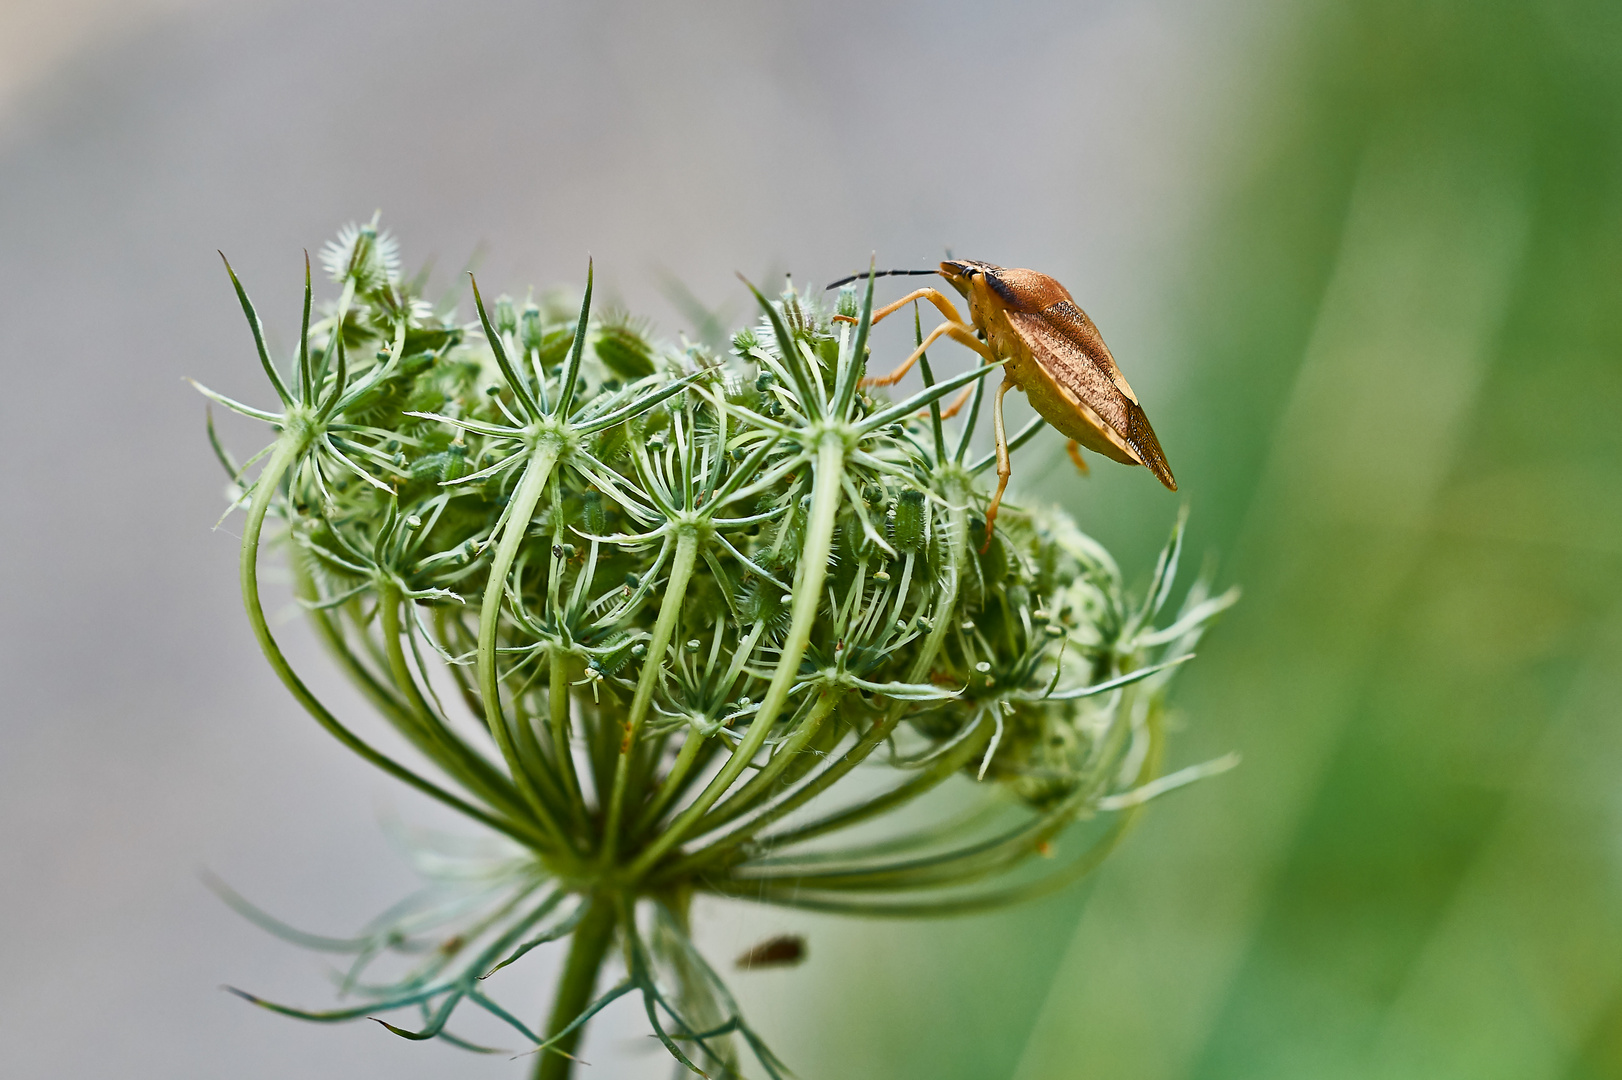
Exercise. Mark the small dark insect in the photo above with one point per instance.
(785, 950)
(1050, 349)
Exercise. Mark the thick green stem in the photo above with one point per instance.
(519, 513)
(588, 948)
(826, 488)
(681, 571)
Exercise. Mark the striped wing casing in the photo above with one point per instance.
(1071, 353)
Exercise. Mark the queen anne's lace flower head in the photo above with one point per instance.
(644, 610)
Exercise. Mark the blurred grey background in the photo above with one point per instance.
(1358, 258)
(143, 737)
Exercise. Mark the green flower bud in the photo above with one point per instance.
(847, 304)
(530, 332)
(506, 318)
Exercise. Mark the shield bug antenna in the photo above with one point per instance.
(876, 273)
(1049, 348)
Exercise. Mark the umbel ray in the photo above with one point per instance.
(1049, 348)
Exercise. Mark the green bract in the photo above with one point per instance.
(643, 610)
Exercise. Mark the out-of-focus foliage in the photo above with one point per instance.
(1399, 414)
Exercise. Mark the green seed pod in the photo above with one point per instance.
(621, 651)
(764, 602)
(454, 465)
(555, 345)
(909, 530)
(793, 314)
(530, 333)
(621, 347)
(847, 304)
(428, 466)
(506, 316)
(592, 518)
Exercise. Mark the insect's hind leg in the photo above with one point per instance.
(955, 407)
(1005, 466)
(1073, 448)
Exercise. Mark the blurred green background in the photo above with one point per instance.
(1362, 260)
(1401, 415)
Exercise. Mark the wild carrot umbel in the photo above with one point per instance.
(639, 611)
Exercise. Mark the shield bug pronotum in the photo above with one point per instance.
(1050, 349)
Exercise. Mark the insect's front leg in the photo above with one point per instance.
(934, 296)
(1005, 465)
(1074, 450)
(954, 330)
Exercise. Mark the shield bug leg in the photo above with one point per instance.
(955, 407)
(1005, 467)
(934, 296)
(955, 331)
(1074, 450)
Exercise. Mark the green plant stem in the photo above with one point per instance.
(760, 785)
(332, 636)
(534, 758)
(443, 624)
(287, 452)
(930, 776)
(520, 512)
(558, 705)
(690, 746)
(974, 861)
(957, 547)
(432, 737)
(588, 948)
(826, 489)
(681, 571)
(796, 896)
(676, 779)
